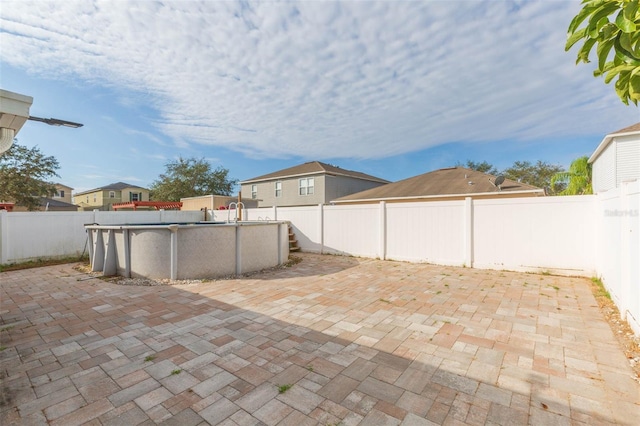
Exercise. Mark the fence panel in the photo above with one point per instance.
(32, 235)
(542, 233)
(426, 232)
(353, 230)
(618, 230)
(305, 221)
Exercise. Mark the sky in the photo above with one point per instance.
(392, 89)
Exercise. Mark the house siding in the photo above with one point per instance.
(618, 162)
(341, 186)
(290, 192)
(604, 169)
(104, 202)
(627, 159)
(67, 193)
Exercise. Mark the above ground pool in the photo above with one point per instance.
(187, 251)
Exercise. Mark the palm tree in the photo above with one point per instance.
(577, 179)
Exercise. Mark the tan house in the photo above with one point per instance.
(306, 184)
(63, 193)
(59, 201)
(104, 197)
(455, 183)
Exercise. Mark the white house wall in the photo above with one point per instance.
(604, 170)
(627, 159)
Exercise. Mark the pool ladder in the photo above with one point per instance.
(238, 205)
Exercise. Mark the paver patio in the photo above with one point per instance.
(361, 341)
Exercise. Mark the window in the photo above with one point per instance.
(95, 198)
(254, 191)
(112, 194)
(278, 189)
(135, 197)
(306, 186)
(87, 199)
(60, 193)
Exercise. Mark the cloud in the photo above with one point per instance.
(324, 79)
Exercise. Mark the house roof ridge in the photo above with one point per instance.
(441, 182)
(112, 186)
(310, 168)
(629, 129)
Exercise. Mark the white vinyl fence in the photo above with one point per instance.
(595, 235)
(551, 234)
(32, 235)
(617, 255)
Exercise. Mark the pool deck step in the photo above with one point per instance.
(293, 242)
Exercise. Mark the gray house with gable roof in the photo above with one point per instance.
(306, 184)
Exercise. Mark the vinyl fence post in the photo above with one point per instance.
(321, 226)
(468, 232)
(4, 237)
(382, 249)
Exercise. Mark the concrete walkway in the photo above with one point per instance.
(331, 340)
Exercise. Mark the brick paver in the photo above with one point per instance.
(357, 341)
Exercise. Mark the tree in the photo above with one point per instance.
(190, 177)
(538, 174)
(483, 167)
(577, 180)
(617, 42)
(24, 175)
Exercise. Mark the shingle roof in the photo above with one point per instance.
(630, 129)
(55, 203)
(118, 186)
(314, 167)
(451, 181)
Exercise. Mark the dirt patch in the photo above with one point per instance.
(629, 342)
(39, 263)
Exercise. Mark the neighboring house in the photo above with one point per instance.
(306, 184)
(59, 201)
(56, 205)
(63, 193)
(104, 197)
(616, 159)
(455, 183)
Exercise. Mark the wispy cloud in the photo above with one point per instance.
(323, 79)
(134, 132)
